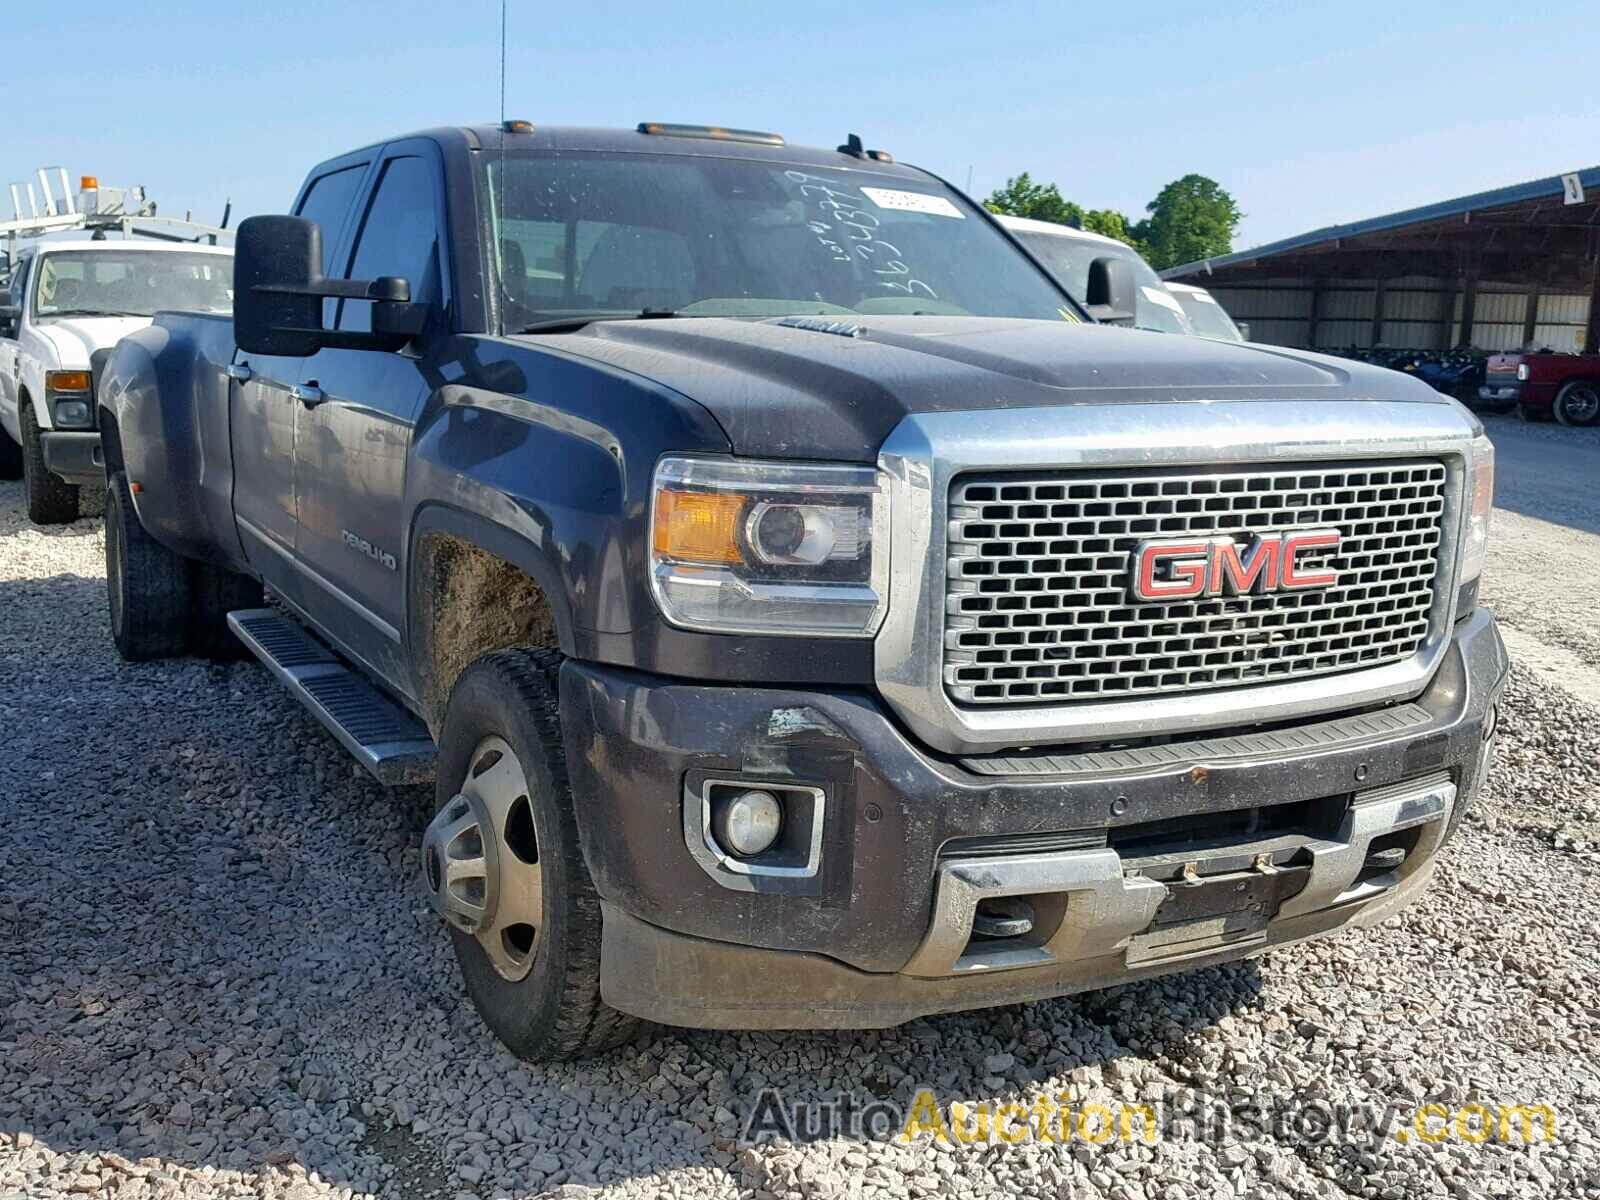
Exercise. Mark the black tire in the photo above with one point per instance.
(555, 1011)
(1578, 403)
(214, 592)
(51, 501)
(147, 585)
(10, 456)
(1531, 417)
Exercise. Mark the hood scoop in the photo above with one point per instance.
(847, 329)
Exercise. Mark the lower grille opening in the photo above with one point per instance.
(1184, 837)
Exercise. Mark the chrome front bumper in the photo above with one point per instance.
(1108, 906)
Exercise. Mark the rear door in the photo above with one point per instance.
(352, 441)
(262, 413)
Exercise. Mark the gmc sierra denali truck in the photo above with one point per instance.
(809, 613)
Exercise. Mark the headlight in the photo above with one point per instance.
(769, 547)
(1480, 502)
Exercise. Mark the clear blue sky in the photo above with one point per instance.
(1307, 117)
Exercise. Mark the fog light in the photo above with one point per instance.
(72, 412)
(748, 824)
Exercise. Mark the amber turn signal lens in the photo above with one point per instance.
(67, 381)
(698, 526)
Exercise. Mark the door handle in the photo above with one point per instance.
(308, 393)
(238, 372)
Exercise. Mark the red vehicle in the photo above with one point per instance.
(1545, 385)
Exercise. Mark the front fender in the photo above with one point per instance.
(551, 457)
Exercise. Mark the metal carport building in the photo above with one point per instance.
(1499, 270)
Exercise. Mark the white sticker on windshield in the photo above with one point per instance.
(1160, 296)
(917, 202)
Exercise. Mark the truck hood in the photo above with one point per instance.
(833, 390)
(76, 338)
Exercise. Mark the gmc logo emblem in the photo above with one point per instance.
(1162, 569)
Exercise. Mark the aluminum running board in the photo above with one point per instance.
(388, 741)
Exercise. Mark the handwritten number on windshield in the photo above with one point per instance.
(859, 228)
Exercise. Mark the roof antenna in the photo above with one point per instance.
(853, 146)
(502, 74)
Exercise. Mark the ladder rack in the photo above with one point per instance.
(98, 211)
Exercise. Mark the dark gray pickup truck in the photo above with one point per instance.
(811, 615)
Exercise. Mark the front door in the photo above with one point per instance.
(355, 423)
(262, 413)
(261, 421)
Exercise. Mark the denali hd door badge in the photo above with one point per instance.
(1187, 568)
(376, 553)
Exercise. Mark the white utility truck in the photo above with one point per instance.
(67, 303)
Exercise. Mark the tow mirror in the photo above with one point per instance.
(1112, 293)
(279, 289)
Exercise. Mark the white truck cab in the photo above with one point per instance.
(68, 302)
(1206, 314)
(1066, 253)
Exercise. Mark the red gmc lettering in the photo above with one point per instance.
(1231, 574)
(1220, 567)
(1293, 543)
(1188, 578)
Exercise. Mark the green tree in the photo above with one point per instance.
(1108, 222)
(1022, 197)
(1192, 218)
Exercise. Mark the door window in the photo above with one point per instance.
(399, 236)
(327, 202)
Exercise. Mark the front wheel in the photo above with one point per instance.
(147, 585)
(51, 501)
(502, 863)
(1578, 403)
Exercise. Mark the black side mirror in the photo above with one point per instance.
(276, 260)
(279, 289)
(1112, 293)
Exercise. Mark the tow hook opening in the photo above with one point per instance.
(1388, 853)
(1003, 917)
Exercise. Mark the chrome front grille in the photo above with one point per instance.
(1038, 608)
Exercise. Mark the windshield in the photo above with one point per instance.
(131, 283)
(1068, 258)
(636, 233)
(1208, 317)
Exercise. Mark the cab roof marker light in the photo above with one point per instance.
(714, 133)
(854, 147)
(517, 126)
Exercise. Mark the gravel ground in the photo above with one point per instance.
(218, 978)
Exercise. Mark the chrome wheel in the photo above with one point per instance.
(480, 860)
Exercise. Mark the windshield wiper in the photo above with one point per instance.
(579, 320)
(92, 312)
